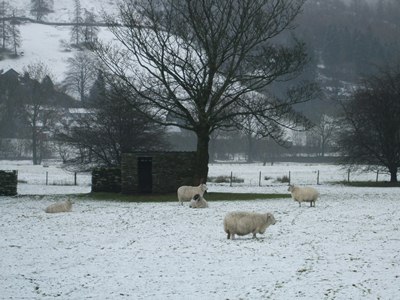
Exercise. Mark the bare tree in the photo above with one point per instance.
(106, 130)
(37, 113)
(40, 8)
(198, 59)
(80, 75)
(370, 135)
(325, 131)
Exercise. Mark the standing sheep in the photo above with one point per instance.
(186, 193)
(242, 223)
(58, 207)
(198, 202)
(304, 194)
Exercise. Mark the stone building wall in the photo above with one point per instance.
(169, 170)
(106, 180)
(8, 183)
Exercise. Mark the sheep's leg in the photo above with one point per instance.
(233, 236)
(299, 203)
(254, 235)
(229, 235)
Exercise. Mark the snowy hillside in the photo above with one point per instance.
(42, 43)
(63, 10)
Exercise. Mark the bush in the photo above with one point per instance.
(283, 179)
(225, 179)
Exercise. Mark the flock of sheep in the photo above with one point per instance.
(235, 223)
(243, 223)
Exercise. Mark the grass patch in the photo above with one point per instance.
(173, 198)
(369, 183)
(225, 179)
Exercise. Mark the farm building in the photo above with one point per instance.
(147, 172)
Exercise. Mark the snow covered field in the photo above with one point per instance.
(345, 248)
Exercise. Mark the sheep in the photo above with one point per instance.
(198, 202)
(242, 223)
(58, 207)
(304, 194)
(186, 193)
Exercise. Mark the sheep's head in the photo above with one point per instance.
(196, 197)
(203, 187)
(290, 188)
(271, 218)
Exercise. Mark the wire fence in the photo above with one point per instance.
(258, 175)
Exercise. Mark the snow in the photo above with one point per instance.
(42, 43)
(347, 247)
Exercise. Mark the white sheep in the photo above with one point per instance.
(304, 194)
(186, 193)
(242, 223)
(198, 202)
(64, 206)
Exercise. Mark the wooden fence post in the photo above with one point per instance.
(318, 177)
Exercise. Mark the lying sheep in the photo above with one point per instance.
(186, 193)
(198, 202)
(58, 207)
(304, 194)
(242, 223)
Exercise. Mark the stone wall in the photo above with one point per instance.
(106, 180)
(8, 183)
(170, 170)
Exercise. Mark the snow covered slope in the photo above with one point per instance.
(42, 43)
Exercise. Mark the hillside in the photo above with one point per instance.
(340, 48)
(42, 43)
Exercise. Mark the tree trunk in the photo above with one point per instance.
(202, 156)
(393, 174)
(249, 148)
(34, 147)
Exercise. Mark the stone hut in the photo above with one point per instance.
(156, 172)
(147, 172)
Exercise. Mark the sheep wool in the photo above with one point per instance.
(186, 193)
(243, 223)
(59, 207)
(304, 194)
(198, 202)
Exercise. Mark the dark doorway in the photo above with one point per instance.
(145, 174)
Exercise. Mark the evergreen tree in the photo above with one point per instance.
(89, 30)
(15, 35)
(4, 26)
(76, 30)
(98, 91)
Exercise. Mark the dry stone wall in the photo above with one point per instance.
(8, 183)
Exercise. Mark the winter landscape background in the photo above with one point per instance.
(347, 247)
